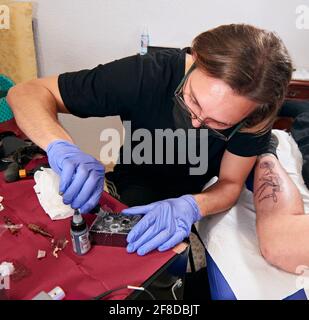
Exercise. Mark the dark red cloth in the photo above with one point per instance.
(11, 125)
(81, 277)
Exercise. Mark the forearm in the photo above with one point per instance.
(282, 226)
(35, 111)
(219, 197)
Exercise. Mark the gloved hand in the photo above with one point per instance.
(165, 224)
(81, 175)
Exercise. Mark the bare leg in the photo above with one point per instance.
(282, 226)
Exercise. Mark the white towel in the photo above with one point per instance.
(47, 190)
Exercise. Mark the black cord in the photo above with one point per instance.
(106, 293)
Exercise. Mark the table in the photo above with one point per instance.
(81, 277)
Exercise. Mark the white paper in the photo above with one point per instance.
(47, 190)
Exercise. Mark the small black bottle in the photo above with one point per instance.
(80, 234)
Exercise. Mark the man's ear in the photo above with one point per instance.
(194, 56)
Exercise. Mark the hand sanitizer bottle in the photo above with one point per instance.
(144, 41)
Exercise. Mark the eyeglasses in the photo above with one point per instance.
(178, 95)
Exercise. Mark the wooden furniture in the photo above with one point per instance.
(298, 90)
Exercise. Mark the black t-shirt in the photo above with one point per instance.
(140, 89)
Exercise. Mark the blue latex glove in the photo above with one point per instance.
(81, 175)
(165, 224)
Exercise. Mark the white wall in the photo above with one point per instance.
(77, 34)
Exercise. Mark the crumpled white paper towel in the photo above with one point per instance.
(47, 191)
(230, 238)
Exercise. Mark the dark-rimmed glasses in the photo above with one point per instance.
(178, 95)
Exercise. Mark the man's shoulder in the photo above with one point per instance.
(248, 143)
(155, 63)
(163, 55)
(163, 52)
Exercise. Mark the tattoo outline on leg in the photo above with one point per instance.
(270, 182)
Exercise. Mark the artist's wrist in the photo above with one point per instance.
(201, 203)
(57, 142)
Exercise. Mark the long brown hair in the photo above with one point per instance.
(253, 62)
